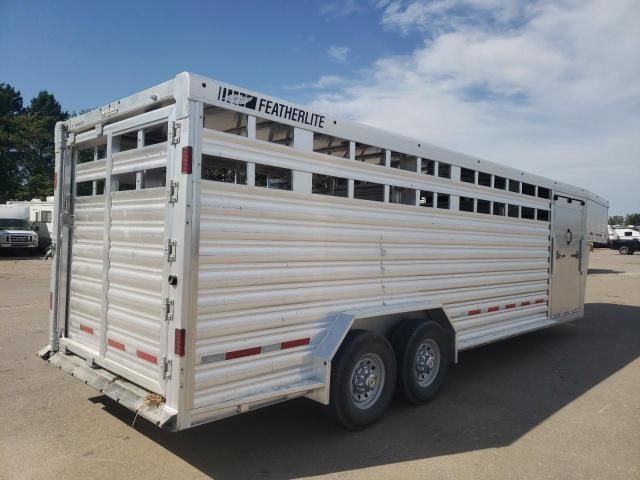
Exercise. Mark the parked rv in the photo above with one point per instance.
(16, 235)
(219, 250)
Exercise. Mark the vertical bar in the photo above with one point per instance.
(55, 282)
(350, 187)
(386, 194)
(251, 174)
(387, 158)
(140, 180)
(251, 127)
(113, 146)
(352, 150)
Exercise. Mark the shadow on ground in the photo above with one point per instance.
(14, 254)
(495, 395)
(602, 271)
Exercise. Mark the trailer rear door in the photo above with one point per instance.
(568, 246)
(116, 223)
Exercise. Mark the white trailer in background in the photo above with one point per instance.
(39, 214)
(219, 250)
(15, 229)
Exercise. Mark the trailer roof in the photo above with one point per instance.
(214, 92)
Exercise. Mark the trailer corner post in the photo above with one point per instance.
(55, 261)
(185, 232)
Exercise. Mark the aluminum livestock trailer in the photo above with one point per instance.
(219, 250)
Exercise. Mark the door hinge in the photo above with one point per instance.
(67, 220)
(175, 133)
(172, 191)
(167, 309)
(70, 138)
(170, 250)
(166, 368)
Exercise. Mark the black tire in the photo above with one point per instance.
(624, 250)
(349, 411)
(418, 387)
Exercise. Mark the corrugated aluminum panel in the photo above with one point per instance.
(137, 159)
(276, 266)
(85, 302)
(91, 170)
(134, 319)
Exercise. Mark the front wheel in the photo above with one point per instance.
(423, 356)
(624, 250)
(363, 378)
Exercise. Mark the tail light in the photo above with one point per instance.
(187, 159)
(179, 342)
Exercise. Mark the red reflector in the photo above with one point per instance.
(147, 356)
(242, 353)
(510, 305)
(187, 156)
(493, 309)
(55, 181)
(475, 312)
(179, 342)
(114, 344)
(540, 300)
(86, 329)
(295, 343)
(524, 304)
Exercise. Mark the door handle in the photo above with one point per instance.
(576, 255)
(559, 255)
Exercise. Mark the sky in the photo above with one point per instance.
(551, 87)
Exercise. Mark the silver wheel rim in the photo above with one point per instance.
(367, 381)
(426, 362)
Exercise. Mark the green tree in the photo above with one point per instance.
(633, 219)
(26, 144)
(616, 220)
(10, 108)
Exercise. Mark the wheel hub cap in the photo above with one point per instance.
(367, 380)
(427, 362)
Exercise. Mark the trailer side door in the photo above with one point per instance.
(567, 285)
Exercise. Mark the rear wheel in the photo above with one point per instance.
(423, 356)
(363, 378)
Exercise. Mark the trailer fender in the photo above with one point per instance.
(381, 319)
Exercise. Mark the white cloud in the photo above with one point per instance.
(339, 54)
(550, 87)
(342, 8)
(324, 82)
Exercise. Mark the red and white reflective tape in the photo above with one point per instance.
(248, 352)
(508, 306)
(121, 346)
(147, 356)
(85, 329)
(139, 353)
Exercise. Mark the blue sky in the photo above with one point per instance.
(547, 86)
(94, 52)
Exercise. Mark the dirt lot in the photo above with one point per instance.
(561, 403)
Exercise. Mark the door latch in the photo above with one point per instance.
(559, 255)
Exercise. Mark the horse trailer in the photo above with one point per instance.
(218, 250)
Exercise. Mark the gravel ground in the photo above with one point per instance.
(559, 403)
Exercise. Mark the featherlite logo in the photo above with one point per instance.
(269, 107)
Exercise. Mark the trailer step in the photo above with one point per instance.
(145, 403)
